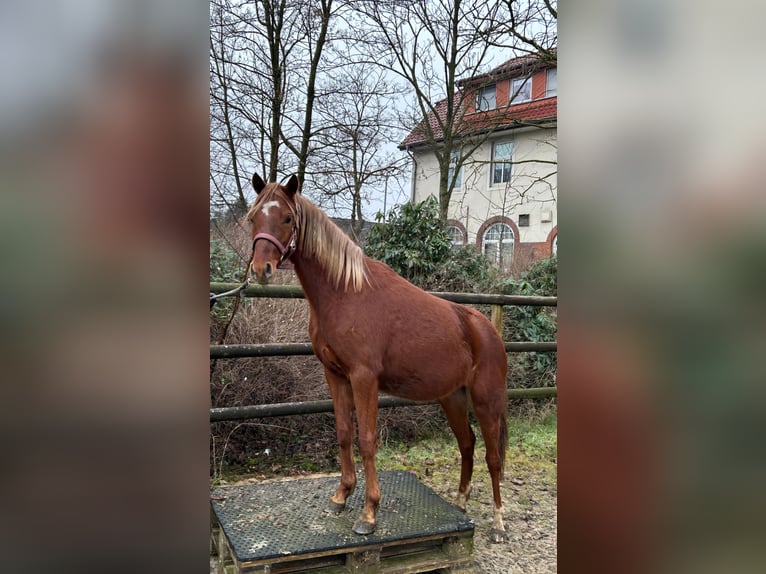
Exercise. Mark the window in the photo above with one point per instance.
(501, 162)
(555, 246)
(524, 220)
(550, 83)
(452, 163)
(497, 245)
(521, 90)
(485, 98)
(455, 235)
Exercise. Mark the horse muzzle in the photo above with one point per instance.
(262, 271)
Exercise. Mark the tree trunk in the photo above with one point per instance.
(444, 190)
(311, 90)
(274, 16)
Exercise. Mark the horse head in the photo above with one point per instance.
(274, 219)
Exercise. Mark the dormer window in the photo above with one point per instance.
(485, 98)
(521, 90)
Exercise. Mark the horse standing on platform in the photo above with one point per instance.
(374, 331)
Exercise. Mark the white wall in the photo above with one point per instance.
(532, 188)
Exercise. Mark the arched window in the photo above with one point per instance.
(497, 245)
(456, 232)
(455, 235)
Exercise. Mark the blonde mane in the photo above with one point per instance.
(336, 253)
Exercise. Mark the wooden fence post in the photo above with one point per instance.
(497, 318)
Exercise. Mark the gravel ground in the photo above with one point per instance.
(530, 521)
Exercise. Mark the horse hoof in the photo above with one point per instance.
(363, 527)
(335, 507)
(496, 536)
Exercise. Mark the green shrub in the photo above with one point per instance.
(541, 277)
(414, 243)
(225, 266)
(537, 324)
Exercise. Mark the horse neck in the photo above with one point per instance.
(313, 278)
(317, 280)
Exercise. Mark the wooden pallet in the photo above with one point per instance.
(450, 555)
(435, 535)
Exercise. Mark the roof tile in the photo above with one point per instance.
(500, 118)
(477, 122)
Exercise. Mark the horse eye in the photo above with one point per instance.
(288, 219)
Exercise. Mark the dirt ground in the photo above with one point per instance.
(530, 522)
(530, 518)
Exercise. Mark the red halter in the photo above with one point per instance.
(285, 250)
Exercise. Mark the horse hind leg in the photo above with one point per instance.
(456, 409)
(489, 405)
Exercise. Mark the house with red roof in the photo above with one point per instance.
(504, 195)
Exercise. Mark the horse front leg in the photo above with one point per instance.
(343, 405)
(365, 391)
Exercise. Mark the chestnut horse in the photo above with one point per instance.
(373, 331)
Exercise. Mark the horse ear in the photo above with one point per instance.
(292, 185)
(258, 183)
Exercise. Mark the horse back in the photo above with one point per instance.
(420, 346)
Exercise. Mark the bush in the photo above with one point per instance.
(414, 243)
(536, 324)
(225, 266)
(540, 278)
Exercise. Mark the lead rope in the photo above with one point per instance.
(235, 291)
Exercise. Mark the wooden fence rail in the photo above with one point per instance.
(310, 407)
(298, 349)
(295, 292)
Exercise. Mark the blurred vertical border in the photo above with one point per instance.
(103, 232)
(661, 284)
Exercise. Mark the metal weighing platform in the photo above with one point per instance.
(284, 527)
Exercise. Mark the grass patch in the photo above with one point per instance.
(532, 444)
(531, 448)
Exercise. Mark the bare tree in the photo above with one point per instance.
(224, 140)
(526, 26)
(288, 94)
(435, 46)
(246, 93)
(316, 23)
(431, 44)
(358, 122)
(266, 57)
